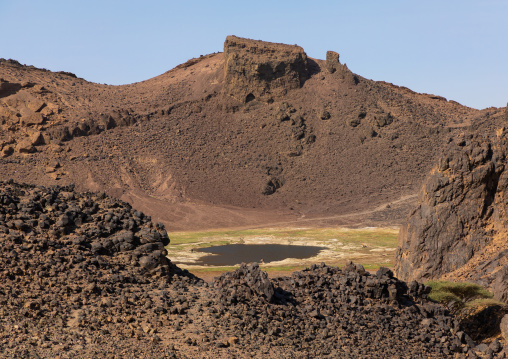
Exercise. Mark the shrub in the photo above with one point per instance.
(461, 293)
(478, 314)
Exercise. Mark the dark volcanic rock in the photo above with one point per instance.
(326, 311)
(75, 261)
(78, 269)
(259, 69)
(245, 282)
(459, 227)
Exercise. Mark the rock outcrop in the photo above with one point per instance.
(459, 227)
(333, 65)
(261, 70)
(244, 283)
(33, 115)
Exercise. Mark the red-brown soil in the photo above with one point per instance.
(187, 149)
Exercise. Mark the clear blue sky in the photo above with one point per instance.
(453, 48)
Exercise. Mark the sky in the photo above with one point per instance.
(454, 48)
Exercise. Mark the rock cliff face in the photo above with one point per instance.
(459, 227)
(259, 69)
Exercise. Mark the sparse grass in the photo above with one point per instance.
(176, 248)
(282, 268)
(214, 243)
(374, 266)
(462, 293)
(193, 237)
(478, 314)
(214, 269)
(381, 237)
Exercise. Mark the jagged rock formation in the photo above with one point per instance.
(459, 227)
(262, 70)
(244, 283)
(334, 66)
(91, 224)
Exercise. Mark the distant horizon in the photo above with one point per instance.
(451, 49)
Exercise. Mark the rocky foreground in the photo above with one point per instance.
(84, 275)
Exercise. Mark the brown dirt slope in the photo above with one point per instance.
(256, 135)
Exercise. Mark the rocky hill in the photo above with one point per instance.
(84, 275)
(459, 228)
(259, 134)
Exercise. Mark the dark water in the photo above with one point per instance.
(233, 254)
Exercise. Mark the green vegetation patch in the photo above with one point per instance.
(194, 237)
(215, 243)
(374, 266)
(288, 269)
(381, 237)
(484, 302)
(478, 314)
(461, 292)
(214, 269)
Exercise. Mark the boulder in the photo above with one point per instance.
(504, 327)
(9, 115)
(37, 139)
(500, 283)
(60, 133)
(6, 151)
(23, 98)
(238, 285)
(324, 115)
(29, 117)
(25, 146)
(7, 88)
(50, 109)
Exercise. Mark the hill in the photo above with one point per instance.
(258, 135)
